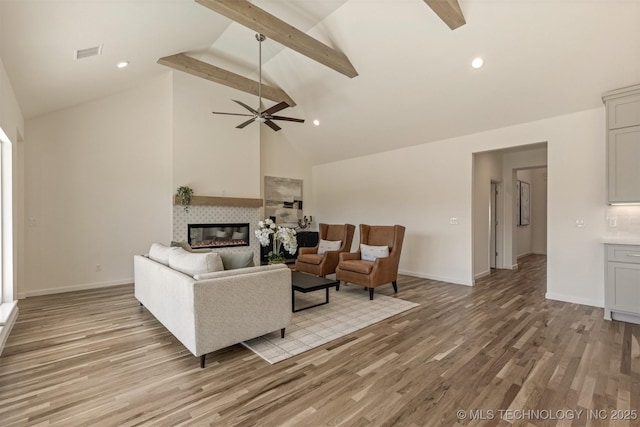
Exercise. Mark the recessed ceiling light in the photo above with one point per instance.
(477, 62)
(316, 122)
(123, 64)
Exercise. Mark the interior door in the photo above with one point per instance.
(494, 225)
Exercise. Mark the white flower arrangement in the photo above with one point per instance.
(283, 237)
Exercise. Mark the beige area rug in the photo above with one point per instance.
(348, 310)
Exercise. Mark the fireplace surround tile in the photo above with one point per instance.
(214, 215)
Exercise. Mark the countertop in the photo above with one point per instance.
(623, 239)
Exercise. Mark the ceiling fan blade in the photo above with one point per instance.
(289, 119)
(231, 114)
(248, 122)
(278, 107)
(246, 106)
(272, 125)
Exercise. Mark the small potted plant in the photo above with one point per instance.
(185, 193)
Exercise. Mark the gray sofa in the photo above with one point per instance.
(213, 310)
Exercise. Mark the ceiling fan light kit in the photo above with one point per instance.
(257, 115)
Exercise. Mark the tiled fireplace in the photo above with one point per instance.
(227, 216)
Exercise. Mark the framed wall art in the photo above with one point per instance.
(524, 201)
(283, 200)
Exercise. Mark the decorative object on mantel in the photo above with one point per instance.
(305, 222)
(281, 238)
(185, 193)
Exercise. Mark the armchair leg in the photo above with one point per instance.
(338, 285)
(395, 286)
(202, 360)
(282, 332)
(371, 294)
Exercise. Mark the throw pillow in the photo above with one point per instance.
(194, 263)
(160, 253)
(233, 260)
(188, 248)
(370, 253)
(328, 245)
(183, 245)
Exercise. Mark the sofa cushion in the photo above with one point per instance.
(328, 245)
(160, 253)
(194, 263)
(357, 266)
(238, 271)
(314, 259)
(233, 260)
(370, 253)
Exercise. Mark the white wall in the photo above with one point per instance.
(423, 186)
(279, 158)
(524, 233)
(512, 162)
(209, 154)
(98, 188)
(532, 239)
(539, 211)
(487, 167)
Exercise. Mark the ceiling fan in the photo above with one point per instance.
(267, 115)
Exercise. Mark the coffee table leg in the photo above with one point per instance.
(327, 295)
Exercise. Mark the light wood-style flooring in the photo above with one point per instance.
(97, 358)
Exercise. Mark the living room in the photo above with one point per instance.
(93, 181)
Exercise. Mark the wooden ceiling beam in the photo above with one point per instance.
(449, 11)
(251, 16)
(195, 67)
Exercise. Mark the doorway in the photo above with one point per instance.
(495, 221)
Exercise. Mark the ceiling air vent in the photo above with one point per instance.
(90, 51)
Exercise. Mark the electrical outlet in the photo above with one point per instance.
(453, 221)
(580, 223)
(33, 222)
(613, 221)
(98, 268)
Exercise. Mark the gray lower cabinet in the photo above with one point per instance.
(622, 283)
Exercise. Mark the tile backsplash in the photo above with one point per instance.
(625, 218)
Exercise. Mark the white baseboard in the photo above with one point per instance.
(481, 275)
(525, 254)
(7, 325)
(539, 253)
(438, 278)
(81, 287)
(574, 300)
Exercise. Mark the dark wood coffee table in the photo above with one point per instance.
(305, 283)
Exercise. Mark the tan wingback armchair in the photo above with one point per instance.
(371, 274)
(309, 261)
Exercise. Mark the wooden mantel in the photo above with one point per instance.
(222, 201)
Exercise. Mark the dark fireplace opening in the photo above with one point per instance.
(218, 235)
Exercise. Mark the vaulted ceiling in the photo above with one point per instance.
(414, 84)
